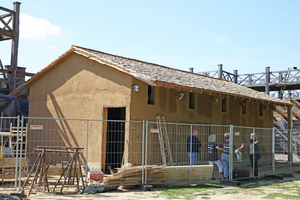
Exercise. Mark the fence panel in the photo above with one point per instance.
(53, 153)
(120, 149)
(9, 152)
(257, 155)
(179, 167)
(130, 154)
(295, 164)
(285, 161)
(111, 146)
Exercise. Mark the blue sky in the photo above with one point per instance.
(243, 35)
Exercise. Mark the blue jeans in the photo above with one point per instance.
(193, 159)
(225, 161)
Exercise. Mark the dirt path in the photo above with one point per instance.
(241, 192)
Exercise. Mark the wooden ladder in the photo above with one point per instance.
(14, 137)
(164, 141)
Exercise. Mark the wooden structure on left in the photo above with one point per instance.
(8, 153)
(69, 172)
(12, 75)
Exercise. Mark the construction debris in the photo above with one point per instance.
(133, 175)
(159, 174)
(188, 173)
(94, 187)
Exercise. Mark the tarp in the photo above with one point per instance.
(10, 106)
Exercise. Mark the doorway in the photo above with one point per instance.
(115, 137)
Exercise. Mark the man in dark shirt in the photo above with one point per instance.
(225, 147)
(193, 145)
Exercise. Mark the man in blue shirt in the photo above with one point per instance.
(193, 145)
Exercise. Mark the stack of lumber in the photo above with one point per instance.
(187, 173)
(133, 175)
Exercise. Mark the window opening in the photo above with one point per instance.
(243, 107)
(150, 95)
(224, 104)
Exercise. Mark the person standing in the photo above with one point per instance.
(254, 145)
(213, 157)
(193, 145)
(225, 147)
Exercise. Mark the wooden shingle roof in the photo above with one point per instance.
(159, 75)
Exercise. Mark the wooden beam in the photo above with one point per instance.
(177, 88)
(11, 34)
(6, 24)
(19, 73)
(210, 92)
(4, 81)
(5, 15)
(14, 47)
(25, 74)
(7, 10)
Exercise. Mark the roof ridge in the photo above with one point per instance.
(75, 46)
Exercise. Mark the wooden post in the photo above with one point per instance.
(267, 81)
(220, 71)
(235, 72)
(14, 47)
(290, 136)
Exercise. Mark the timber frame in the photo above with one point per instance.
(8, 32)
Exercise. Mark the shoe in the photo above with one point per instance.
(213, 178)
(220, 178)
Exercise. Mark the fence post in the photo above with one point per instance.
(143, 152)
(253, 157)
(235, 79)
(146, 153)
(86, 153)
(273, 150)
(220, 71)
(21, 151)
(191, 144)
(267, 80)
(291, 148)
(231, 152)
(17, 153)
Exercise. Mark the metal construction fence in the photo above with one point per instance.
(53, 153)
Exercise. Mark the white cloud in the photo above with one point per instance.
(222, 41)
(51, 47)
(33, 28)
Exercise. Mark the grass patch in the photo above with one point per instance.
(251, 181)
(283, 196)
(266, 187)
(287, 175)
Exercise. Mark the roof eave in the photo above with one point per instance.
(201, 90)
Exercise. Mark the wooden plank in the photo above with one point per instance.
(183, 173)
(7, 33)
(11, 176)
(7, 10)
(104, 138)
(11, 162)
